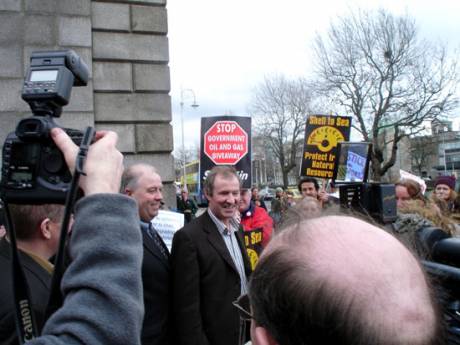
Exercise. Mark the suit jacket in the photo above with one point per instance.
(157, 301)
(205, 283)
(38, 280)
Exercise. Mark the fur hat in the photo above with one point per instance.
(447, 180)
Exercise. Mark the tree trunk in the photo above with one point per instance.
(285, 179)
(376, 169)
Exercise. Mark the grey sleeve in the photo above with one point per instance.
(102, 286)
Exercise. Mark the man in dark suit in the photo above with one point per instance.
(210, 267)
(37, 230)
(142, 182)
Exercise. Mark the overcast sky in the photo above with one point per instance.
(222, 49)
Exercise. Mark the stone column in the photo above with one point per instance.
(125, 46)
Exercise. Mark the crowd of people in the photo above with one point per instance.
(320, 277)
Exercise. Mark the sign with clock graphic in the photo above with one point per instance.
(322, 134)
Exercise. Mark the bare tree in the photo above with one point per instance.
(374, 67)
(421, 151)
(187, 155)
(280, 107)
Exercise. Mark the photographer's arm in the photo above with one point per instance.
(102, 286)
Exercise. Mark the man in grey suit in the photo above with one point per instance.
(142, 183)
(210, 267)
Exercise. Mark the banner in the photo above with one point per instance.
(253, 242)
(322, 134)
(226, 140)
(355, 167)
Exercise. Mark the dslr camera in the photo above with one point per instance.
(33, 169)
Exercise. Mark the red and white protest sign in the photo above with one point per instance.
(226, 143)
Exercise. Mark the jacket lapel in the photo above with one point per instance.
(151, 246)
(216, 240)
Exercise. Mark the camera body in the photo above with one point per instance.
(33, 169)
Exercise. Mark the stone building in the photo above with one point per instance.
(427, 156)
(438, 153)
(125, 45)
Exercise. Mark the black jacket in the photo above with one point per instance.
(205, 283)
(156, 281)
(39, 281)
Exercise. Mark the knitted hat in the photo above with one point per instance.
(279, 190)
(447, 180)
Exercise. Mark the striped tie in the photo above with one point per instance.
(157, 239)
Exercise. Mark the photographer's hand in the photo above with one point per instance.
(104, 163)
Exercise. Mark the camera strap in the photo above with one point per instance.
(26, 326)
(56, 298)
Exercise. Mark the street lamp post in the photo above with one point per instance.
(444, 148)
(193, 105)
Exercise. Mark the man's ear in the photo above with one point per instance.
(262, 337)
(45, 230)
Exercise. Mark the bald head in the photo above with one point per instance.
(342, 278)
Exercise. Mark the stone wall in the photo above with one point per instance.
(125, 45)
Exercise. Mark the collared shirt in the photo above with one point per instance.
(228, 234)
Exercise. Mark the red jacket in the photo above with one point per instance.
(257, 217)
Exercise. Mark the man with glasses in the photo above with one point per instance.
(339, 280)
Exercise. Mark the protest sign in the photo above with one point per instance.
(167, 223)
(322, 134)
(253, 242)
(226, 140)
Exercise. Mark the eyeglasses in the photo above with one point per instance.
(243, 305)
